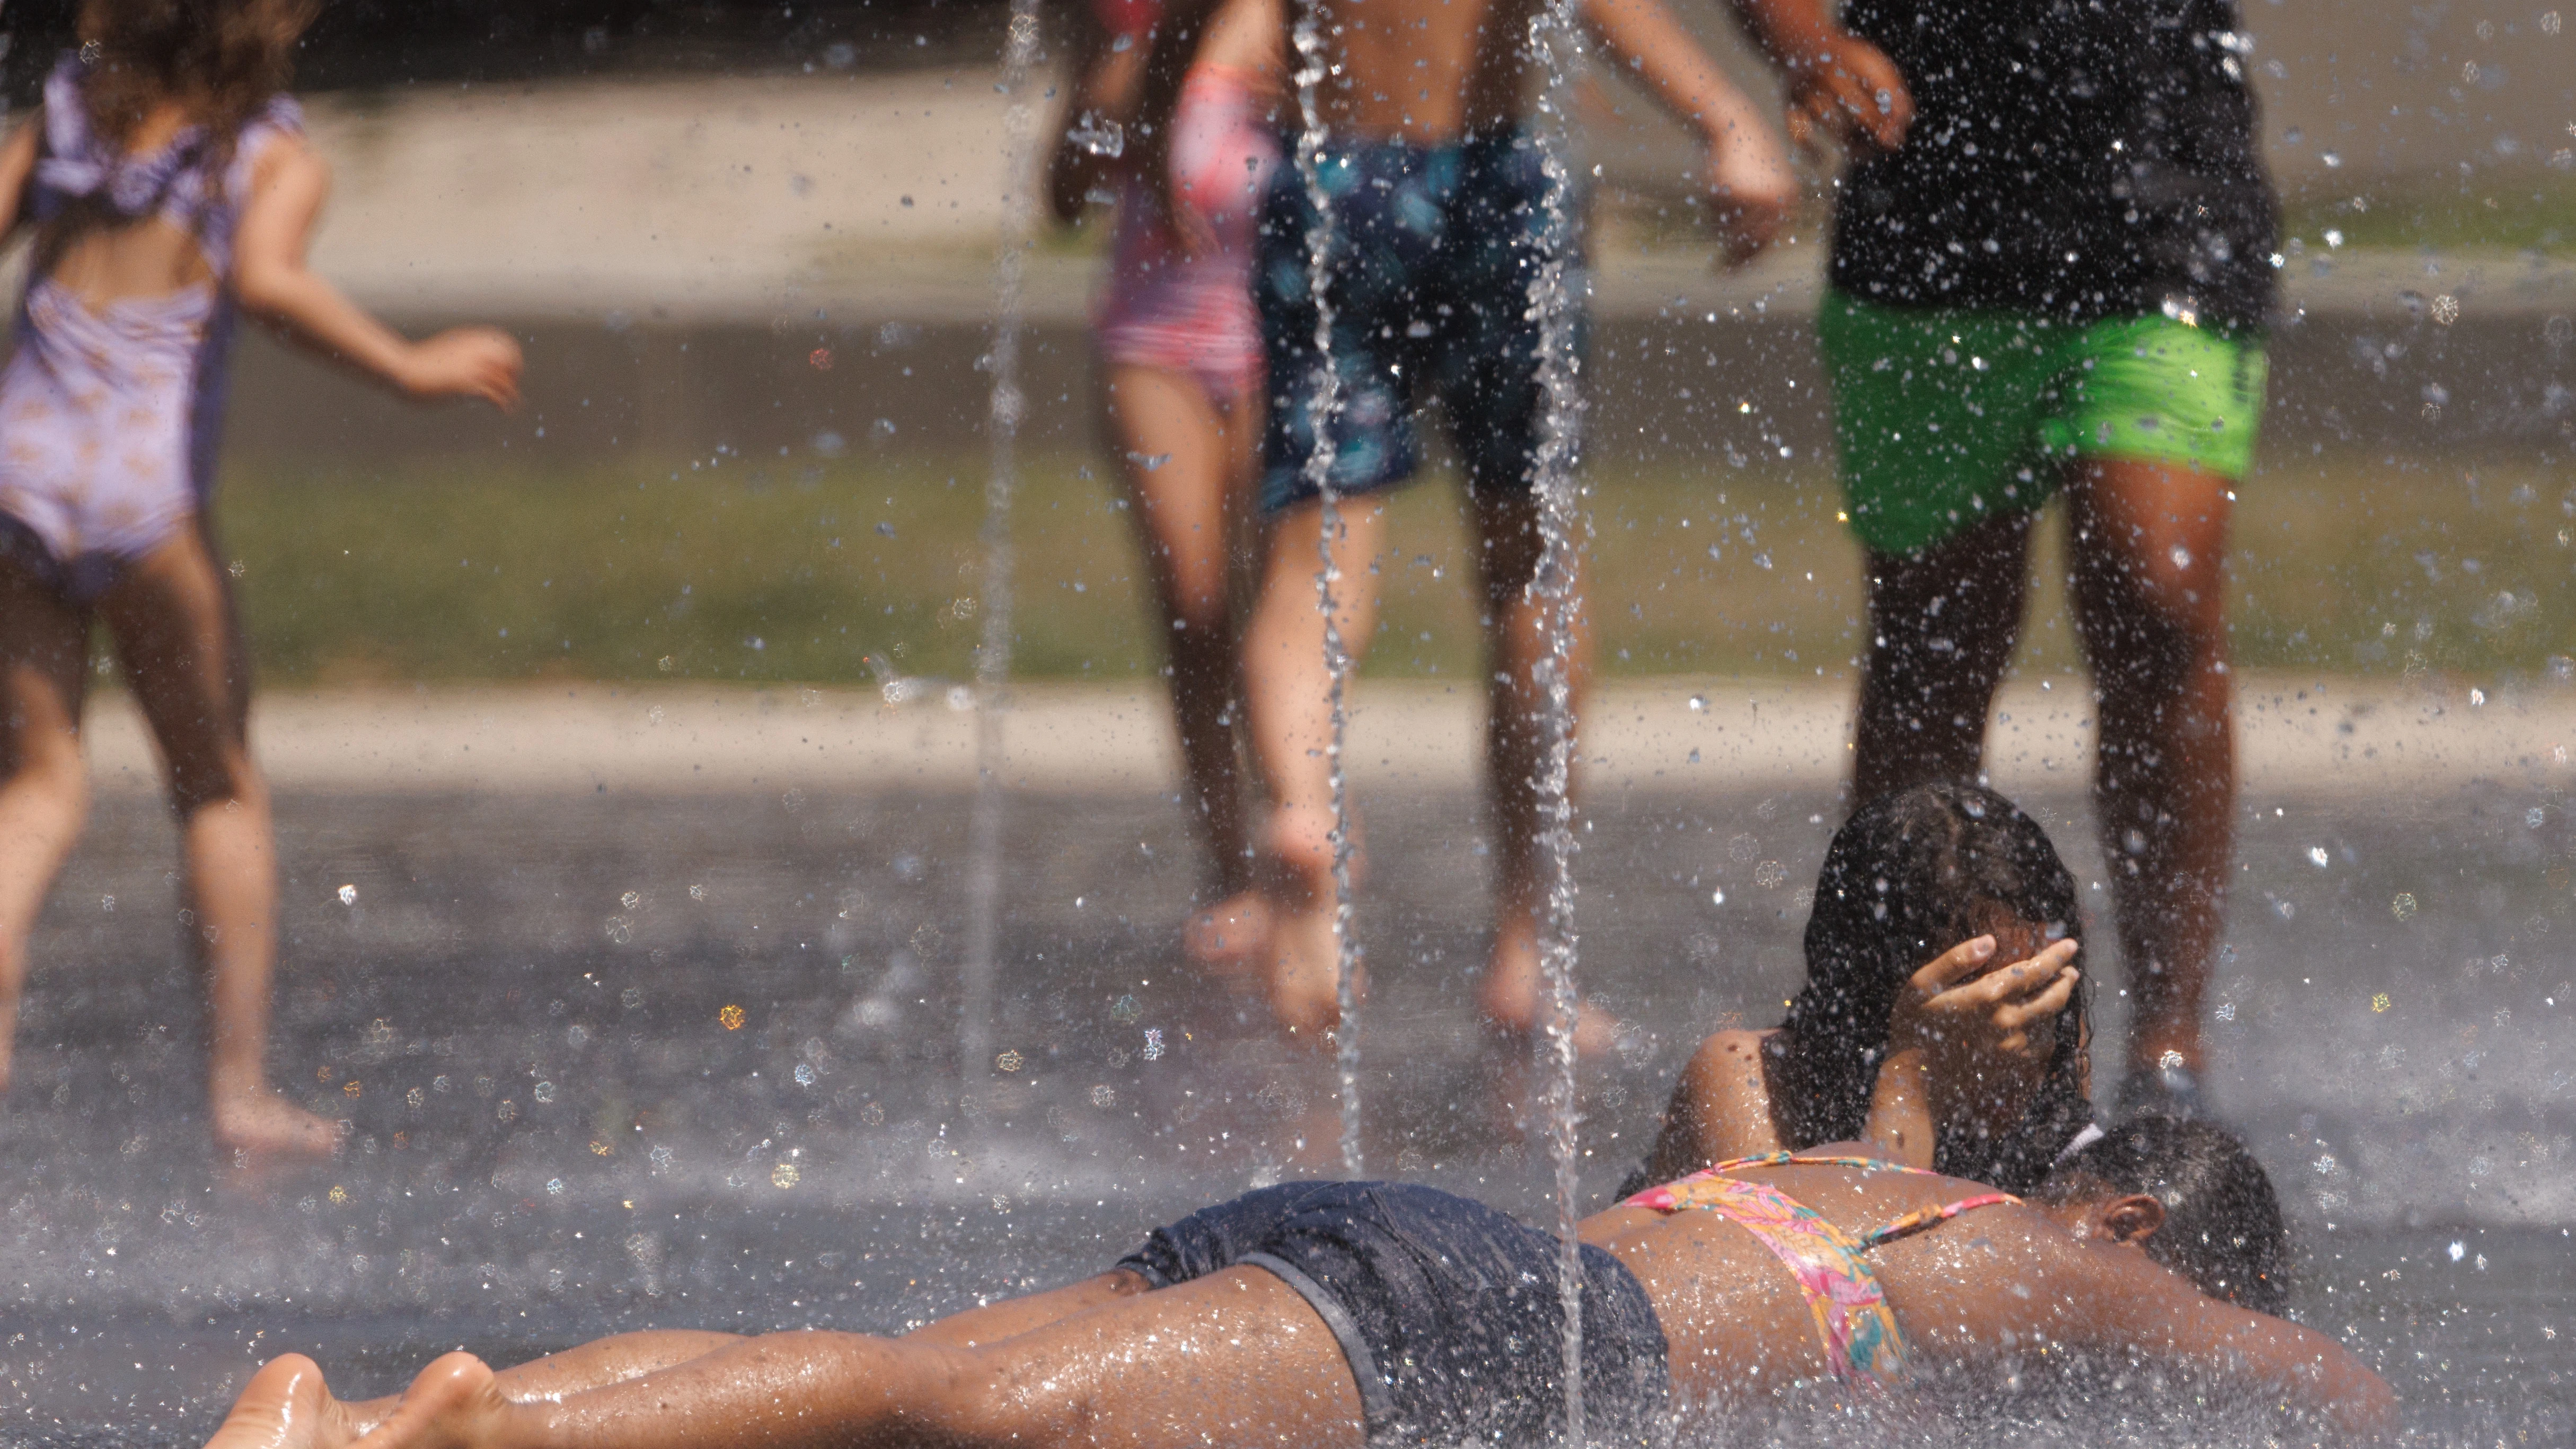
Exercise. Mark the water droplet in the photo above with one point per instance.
(1699, 704)
(2317, 856)
(2457, 1250)
(348, 895)
(1717, 898)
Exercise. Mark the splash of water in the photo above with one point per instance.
(1554, 48)
(993, 653)
(1309, 40)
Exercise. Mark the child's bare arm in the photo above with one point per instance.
(1105, 86)
(1721, 1109)
(1747, 174)
(289, 184)
(17, 164)
(1839, 84)
(2145, 1309)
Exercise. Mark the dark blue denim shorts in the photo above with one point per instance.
(1447, 1310)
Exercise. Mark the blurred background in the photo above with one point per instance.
(623, 796)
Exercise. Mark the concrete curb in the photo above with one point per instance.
(2298, 734)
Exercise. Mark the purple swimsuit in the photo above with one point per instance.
(108, 418)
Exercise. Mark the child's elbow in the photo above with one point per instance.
(264, 291)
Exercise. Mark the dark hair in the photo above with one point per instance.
(2222, 1227)
(1910, 875)
(227, 56)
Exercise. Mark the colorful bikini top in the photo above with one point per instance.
(1852, 1317)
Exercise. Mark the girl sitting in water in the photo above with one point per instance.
(167, 181)
(1951, 875)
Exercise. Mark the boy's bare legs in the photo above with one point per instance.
(2151, 610)
(1288, 695)
(2154, 631)
(44, 794)
(1186, 460)
(1512, 998)
(1261, 1366)
(1942, 625)
(173, 624)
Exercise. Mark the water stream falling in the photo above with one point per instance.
(993, 652)
(1311, 64)
(1554, 48)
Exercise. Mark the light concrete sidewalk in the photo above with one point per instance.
(2296, 734)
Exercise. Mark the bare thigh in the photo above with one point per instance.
(1235, 1358)
(44, 656)
(175, 631)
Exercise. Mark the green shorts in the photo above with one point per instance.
(1943, 417)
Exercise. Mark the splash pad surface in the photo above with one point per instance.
(608, 1151)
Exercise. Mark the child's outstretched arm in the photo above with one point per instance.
(288, 185)
(1747, 174)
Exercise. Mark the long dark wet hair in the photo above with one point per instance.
(1910, 875)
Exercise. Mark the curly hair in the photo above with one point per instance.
(223, 58)
(1910, 875)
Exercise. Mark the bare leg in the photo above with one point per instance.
(44, 795)
(1287, 692)
(1509, 548)
(1185, 458)
(624, 1356)
(1943, 623)
(1236, 1357)
(2152, 611)
(173, 626)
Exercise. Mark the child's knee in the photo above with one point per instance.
(223, 775)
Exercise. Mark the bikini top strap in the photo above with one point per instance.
(1785, 1159)
(1922, 1218)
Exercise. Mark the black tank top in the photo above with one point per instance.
(2073, 158)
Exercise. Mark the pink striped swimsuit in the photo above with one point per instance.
(109, 417)
(1164, 308)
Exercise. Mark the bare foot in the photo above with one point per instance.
(1228, 938)
(1514, 1004)
(1300, 959)
(261, 1127)
(283, 1407)
(452, 1404)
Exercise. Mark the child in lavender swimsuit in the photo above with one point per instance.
(168, 184)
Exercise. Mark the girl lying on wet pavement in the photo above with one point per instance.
(1352, 1313)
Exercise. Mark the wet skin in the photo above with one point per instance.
(1237, 1356)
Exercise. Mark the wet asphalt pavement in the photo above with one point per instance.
(616, 1061)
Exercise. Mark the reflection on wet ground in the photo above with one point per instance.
(613, 1061)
